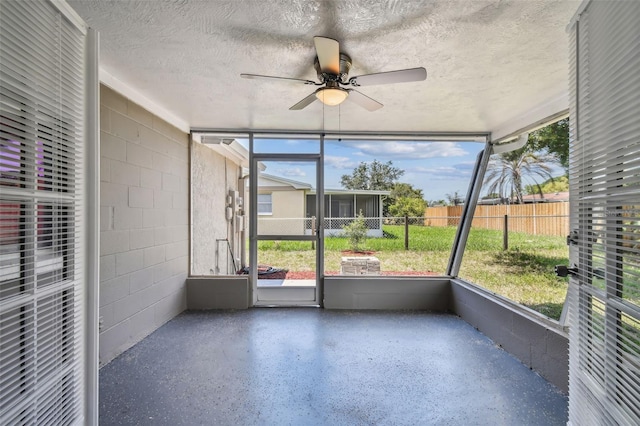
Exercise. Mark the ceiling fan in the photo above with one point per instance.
(333, 68)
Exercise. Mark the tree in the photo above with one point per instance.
(554, 140)
(406, 201)
(508, 172)
(491, 196)
(372, 176)
(454, 199)
(405, 190)
(356, 232)
(550, 186)
(407, 206)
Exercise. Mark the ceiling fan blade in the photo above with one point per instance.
(363, 100)
(389, 77)
(270, 77)
(305, 102)
(328, 51)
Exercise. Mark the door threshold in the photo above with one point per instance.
(287, 304)
(286, 283)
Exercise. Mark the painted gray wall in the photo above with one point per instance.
(539, 343)
(143, 223)
(432, 294)
(218, 292)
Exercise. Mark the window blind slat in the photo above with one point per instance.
(43, 41)
(605, 211)
(41, 180)
(18, 89)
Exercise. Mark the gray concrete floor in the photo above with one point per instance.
(307, 366)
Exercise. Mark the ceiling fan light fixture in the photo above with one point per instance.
(332, 96)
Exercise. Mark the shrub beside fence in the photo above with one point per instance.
(535, 219)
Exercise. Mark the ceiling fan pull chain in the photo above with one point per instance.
(339, 122)
(323, 107)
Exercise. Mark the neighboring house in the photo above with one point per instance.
(555, 197)
(287, 207)
(281, 205)
(342, 206)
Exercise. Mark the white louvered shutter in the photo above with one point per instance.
(604, 378)
(42, 89)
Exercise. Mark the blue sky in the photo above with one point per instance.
(438, 168)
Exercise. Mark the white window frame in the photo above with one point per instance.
(58, 193)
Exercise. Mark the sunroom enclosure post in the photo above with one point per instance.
(330, 212)
(320, 226)
(253, 221)
(92, 217)
(473, 193)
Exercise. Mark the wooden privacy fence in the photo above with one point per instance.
(535, 218)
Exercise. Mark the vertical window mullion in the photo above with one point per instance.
(613, 282)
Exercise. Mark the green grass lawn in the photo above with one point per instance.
(524, 273)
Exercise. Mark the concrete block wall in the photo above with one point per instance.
(144, 220)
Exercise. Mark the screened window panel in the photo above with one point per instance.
(605, 186)
(42, 70)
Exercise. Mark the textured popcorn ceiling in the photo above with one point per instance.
(488, 62)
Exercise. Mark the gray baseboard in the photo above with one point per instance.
(384, 292)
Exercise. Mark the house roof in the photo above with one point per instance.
(532, 198)
(352, 192)
(270, 181)
(228, 147)
(550, 198)
(493, 65)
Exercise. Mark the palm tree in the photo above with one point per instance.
(509, 172)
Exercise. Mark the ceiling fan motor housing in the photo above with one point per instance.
(345, 67)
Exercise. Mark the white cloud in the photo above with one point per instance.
(454, 172)
(336, 162)
(408, 150)
(292, 172)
